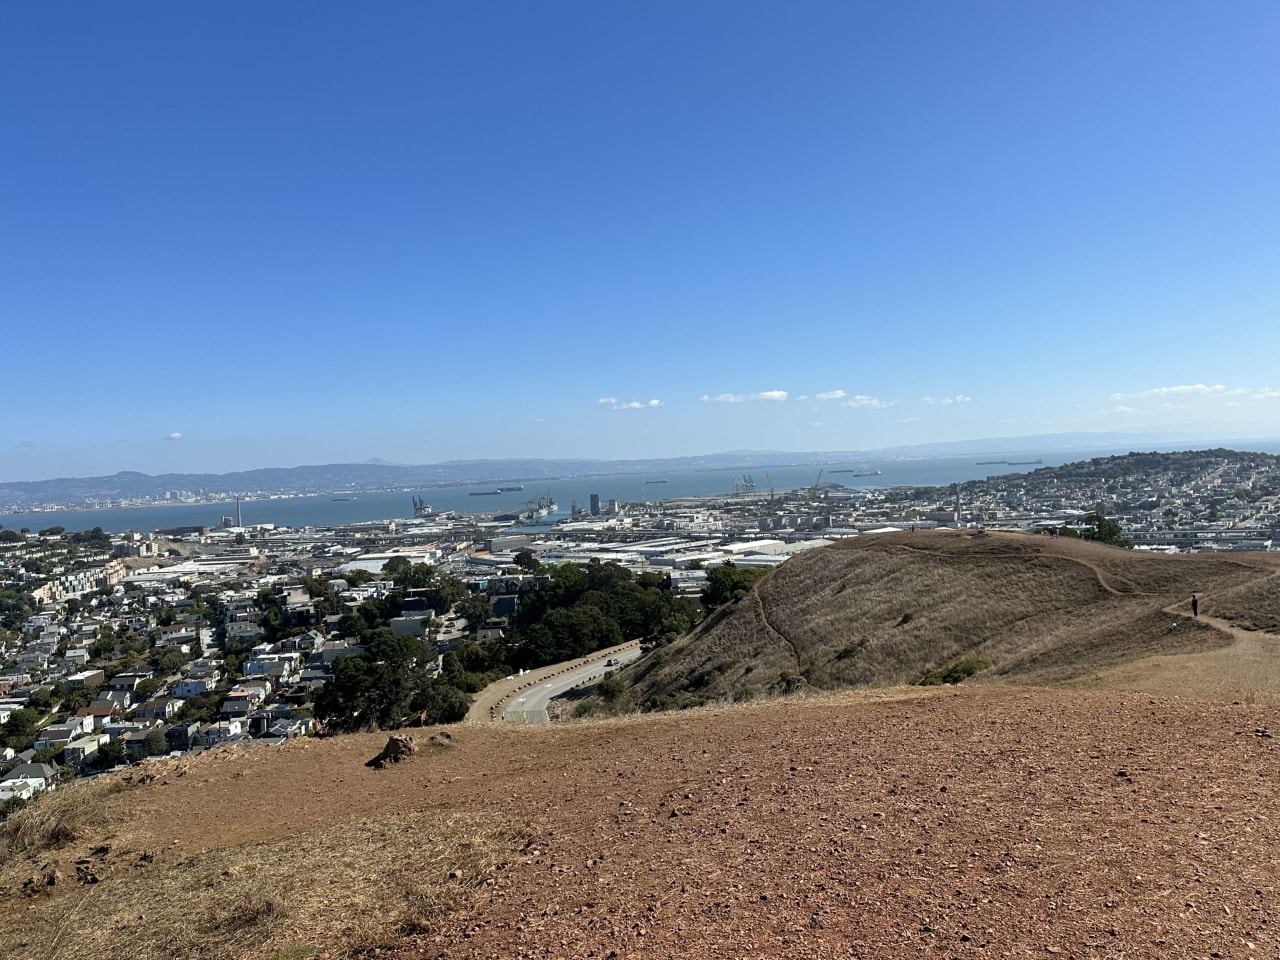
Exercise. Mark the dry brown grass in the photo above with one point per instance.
(886, 610)
(345, 887)
(58, 818)
(1253, 606)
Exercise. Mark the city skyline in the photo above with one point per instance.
(240, 238)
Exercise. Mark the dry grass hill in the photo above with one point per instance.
(890, 609)
(1140, 819)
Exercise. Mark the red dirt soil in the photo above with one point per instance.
(973, 822)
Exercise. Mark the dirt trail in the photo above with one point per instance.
(1247, 671)
(774, 631)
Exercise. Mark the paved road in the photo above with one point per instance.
(491, 703)
(531, 706)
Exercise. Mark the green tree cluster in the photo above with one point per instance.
(727, 582)
(387, 686)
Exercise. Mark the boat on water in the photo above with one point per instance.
(518, 487)
(1025, 463)
(540, 506)
(989, 463)
(656, 481)
(341, 499)
(485, 493)
(857, 473)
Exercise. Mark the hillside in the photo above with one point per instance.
(889, 609)
(992, 821)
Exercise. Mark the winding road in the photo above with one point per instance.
(524, 698)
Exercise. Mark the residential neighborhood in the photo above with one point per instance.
(119, 647)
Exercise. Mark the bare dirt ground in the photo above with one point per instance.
(971, 822)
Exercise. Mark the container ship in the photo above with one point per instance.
(485, 493)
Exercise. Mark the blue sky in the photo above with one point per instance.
(238, 235)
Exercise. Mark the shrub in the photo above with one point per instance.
(956, 673)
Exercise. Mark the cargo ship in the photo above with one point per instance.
(518, 487)
(485, 493)
(656, 481)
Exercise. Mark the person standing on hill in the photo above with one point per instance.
(1195, 606)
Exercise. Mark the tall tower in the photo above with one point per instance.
(595, 504)
(238, 512)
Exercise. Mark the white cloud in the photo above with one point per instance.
(1190, 390)
(908, 420)
(945, 401)
(1121, 409)
(1182, 389)
(831, 395)
(174, 436)
(616, 404)
(864, 402)
(776, 395)
(818, 423)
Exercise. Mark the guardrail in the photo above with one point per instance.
(497, 709)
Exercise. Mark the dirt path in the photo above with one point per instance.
(764, 618)
(1247, 671)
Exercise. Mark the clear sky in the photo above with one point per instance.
(262, 234)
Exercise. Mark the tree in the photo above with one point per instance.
(526, 561)
(20, 731)
(155, 743)
(1104, 530)
(727, 582)
(396, 567)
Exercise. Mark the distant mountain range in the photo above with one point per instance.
(373, 475)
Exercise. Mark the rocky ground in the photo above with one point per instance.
(992, 823)
(970, 822)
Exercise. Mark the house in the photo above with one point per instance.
(161, 708)
(195, 686)
(244, 631)
(37, 776)
(19, 788)
(100, 713)
(128, 682)
(183, 736)
(78, 752)
(58, 735)
(84, 680)
(120, 699)
(222, 732)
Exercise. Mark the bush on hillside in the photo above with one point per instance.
(956, 673)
